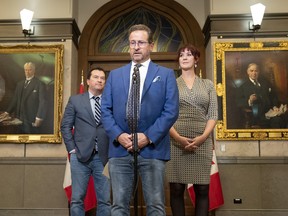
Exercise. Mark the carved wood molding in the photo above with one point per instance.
(44, 30)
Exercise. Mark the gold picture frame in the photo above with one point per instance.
(256, 122)
(48, 61)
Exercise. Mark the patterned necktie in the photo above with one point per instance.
(97, 111)
(133, 100)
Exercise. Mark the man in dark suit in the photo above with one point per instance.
(255, 97)
(158, 110)
(88, 146)
(29, 102)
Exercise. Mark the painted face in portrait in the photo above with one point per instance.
(29, 71)
(253, 71)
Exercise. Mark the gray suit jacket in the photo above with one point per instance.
(78, 114)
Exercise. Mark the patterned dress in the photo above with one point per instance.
(197, 105)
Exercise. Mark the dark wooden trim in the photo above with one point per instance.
(237, 26)
(44, 30)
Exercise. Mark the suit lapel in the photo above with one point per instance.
(126, 79)
(87, 106)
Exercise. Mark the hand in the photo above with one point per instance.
(142, 140)
(37, 122)
(252, 98)
(4, 116)
(183, 141)
(195, 143)
(126, 141)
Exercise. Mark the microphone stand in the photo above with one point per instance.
(135, 140)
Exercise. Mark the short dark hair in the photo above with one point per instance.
(194, 51)
(94, 68)
(142, 27)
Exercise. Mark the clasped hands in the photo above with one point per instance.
(126, 140)
(191, 144)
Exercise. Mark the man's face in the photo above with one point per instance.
(29, 71)
(96, 81)
(253, 72)
(139, 46)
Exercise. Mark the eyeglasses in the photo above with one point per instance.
(139, 43)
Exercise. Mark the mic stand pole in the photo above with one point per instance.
(135, 144)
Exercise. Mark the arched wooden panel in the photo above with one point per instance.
(100, 20)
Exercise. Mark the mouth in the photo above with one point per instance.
(137, 53)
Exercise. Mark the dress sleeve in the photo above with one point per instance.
(213, 105)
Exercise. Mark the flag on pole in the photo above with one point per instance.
(90, 201)
(216, 198)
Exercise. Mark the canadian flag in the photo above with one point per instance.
(90, 201)
(215, 190)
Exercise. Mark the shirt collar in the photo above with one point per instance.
(91, 95)
(30, 78)
(145, 64)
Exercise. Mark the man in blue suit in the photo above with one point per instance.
(88, 146)
(158, 112)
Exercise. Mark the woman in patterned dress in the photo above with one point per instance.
(191, 141)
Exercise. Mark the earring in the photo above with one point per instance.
(195, 65)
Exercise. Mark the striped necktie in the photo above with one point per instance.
(97, 110)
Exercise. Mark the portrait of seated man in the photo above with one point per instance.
(258, 102)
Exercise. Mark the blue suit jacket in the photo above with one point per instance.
(158, 112)
(78, 114)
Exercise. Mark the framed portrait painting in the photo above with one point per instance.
(252, 88)
(31, 83)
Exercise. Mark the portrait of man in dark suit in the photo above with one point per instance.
(255, 97)
(29, 102)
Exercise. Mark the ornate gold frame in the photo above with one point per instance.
(50, 60)
(230, 63)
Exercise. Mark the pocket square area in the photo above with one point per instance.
(158, 78)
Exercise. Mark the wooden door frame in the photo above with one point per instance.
(88, 45)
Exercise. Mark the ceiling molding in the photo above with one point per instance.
(44, 30)
(237, 26)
